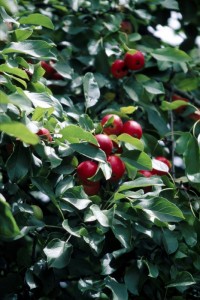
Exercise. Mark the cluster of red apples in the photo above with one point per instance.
(133, 60)
(112, 126)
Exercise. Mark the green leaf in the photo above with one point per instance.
(35, 48)
(173, 105)
(91, 90)
(138, 159)
(156, 119)
(170, 241)
(183, 278)
(76, 197)
(154, 87)
(162, 209)
(182, 141)
(37, 19)
(127, 138)
(192, 157)
(53, 158)
(39, 113)
(132, 279)
(123, 232)
(170, 54)
(58, 253)
(10, 6)
(128, 110)
(45, 100)
(153, 269)
(99, 215)
(20, 131)
(119, 290)
(134, 89)
(64, 69)
(9, 228)
(73, 231)
(74, 133)
(18, 164)
(4, 99)
(90, 151)
(22, 34)
(141, 182)
(170, 4)
(43, 185)
(15, 71)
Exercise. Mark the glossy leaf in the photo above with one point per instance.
(37, 19)
(58, 253)
(19, 131)
(170, 54)
(91, 90)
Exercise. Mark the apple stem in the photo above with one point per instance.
(126, 47)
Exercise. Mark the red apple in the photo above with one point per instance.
(92, 188)
(126, 27)
(134, 60)
(105, 143)
(49, 70)
(85, 170)
(116, 126)
(118, 69)
(195, 116)
(132, 128)
(117, 166)
(146, 173)
(56, 76)
(45, 134)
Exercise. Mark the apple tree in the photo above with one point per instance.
(99, 153)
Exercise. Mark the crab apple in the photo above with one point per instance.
(117, 166)
(165, 161)
(56, 76)
(132, 128)
(105, 143)
(195, 116)
(45, 134)
(85, 170)
(181, 108)
(146, 173)
(49, 70)
(116, 126)
(92, 189)
(134, 60)
(118, 69)
(126, 26)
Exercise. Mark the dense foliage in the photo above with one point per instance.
(130, 228)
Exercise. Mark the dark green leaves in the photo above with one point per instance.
(18, 164)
